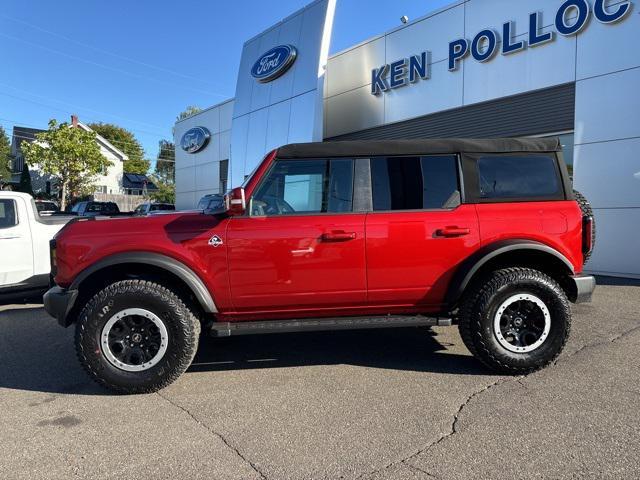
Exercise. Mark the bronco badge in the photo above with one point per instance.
(215, 241)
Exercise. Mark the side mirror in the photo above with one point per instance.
(235, 202)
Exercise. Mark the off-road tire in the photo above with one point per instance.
(480, 304)
(183, 329)
(587, 211)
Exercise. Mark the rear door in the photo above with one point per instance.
(301, 246)
(16, 254)
(418, 231)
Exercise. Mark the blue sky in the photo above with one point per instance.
(139, 63)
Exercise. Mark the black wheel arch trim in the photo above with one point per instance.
(176, 267)
(475, 262)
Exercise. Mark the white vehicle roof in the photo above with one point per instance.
(12, 194)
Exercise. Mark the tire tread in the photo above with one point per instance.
(479, 295)
(185, 317)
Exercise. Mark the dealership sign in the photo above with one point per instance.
(195, 139)
(274, 63)
(570, 19)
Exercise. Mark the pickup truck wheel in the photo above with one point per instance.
(515, 320)
(136, 336)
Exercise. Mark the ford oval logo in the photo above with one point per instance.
(274, 63)
(195, 139)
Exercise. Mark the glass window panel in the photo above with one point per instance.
(525, 176)
(306, 186)
(413, 183)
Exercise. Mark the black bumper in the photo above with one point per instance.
(583, 287)
(58, 302)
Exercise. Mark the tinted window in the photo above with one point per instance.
(8, 216)
(523, 176)
(95, 207)
(306, 186)
(216, 203)
(414, 183)
(46, 206)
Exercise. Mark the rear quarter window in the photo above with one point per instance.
(518, 176)
(8, 217)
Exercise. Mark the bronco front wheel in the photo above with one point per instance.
(515, 320)
(136, 336)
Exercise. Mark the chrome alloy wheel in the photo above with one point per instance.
(522, 323)
(134, 340)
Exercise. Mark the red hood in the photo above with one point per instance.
(85, 241)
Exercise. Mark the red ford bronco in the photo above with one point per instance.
(484, 234)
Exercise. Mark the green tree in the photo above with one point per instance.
(165, 193)
(5, 156)
(166, 162)
(190, 110)
(25, 180)
(71, 155)
(127, 142)
(164, 174)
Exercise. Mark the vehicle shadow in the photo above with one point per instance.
(37, 355)
(415, 349)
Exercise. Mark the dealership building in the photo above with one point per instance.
(475, 68)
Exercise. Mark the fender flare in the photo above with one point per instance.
(475, 262)
(176, 267)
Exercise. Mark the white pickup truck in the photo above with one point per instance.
(24, 245)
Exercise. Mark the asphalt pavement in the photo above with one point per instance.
(375, 404)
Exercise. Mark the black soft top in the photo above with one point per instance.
(363, 148)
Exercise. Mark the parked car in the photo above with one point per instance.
(483, 234)
(150, 207)
(93, 209)
(211, 202)
(47, 207)
(24, 245)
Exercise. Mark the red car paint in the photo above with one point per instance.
(323, 265)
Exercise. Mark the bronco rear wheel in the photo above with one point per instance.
(515, 320)
(136, 336)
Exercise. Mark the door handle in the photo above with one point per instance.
(452, 232)
(338, 236)
(9, 237)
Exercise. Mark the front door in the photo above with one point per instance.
(300, 247)
(16, 252)
(418, 231)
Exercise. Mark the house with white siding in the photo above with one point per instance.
(110, 181)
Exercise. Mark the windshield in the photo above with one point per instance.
(162, 206)
(46, 206)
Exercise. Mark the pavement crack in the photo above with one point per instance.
(419, 470)
(600, 343)
(456, 417)
(215, 434)
(453, 430)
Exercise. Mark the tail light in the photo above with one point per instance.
(53, 259)
(587, 235)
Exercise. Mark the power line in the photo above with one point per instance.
(102, 65)
(118, 142)
(96, 49)
(154, 134)
(80, 107)
(115, 142)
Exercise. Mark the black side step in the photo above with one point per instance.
(226, 329)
